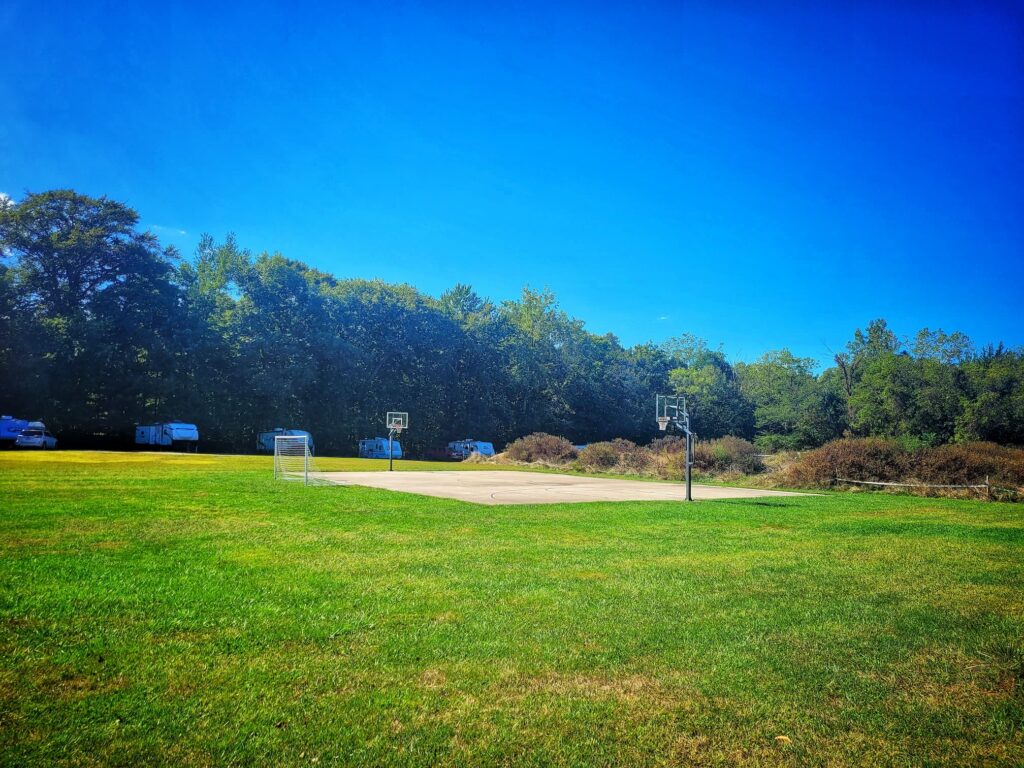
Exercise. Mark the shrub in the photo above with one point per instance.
(777, 443)
(541, 447)
(900, 461)
(727, 454)
(967, 463)
(599, 456)
(869, 458)
(633, 458)
(619, 455)
(667, 444)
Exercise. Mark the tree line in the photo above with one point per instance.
(102, 327)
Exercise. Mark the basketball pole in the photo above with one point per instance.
(680, 421)
(689, 451)
(689, 466)
(391, 450)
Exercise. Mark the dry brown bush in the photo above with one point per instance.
(668, 444)
(725, 455)
(964, 463)
(597, 457)
(634, 459)
(617, 455)
(541, 447)
(869, 458)
(877, 459)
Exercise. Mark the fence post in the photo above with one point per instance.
(988, 489)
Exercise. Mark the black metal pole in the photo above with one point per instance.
(689, 465)
(391, 450)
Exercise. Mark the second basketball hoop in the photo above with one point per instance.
(396, 421)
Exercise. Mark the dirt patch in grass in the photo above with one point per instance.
(776, 528)
(71, 684)
(109, 545)
(433, 678)
(940, 681)
(28, 542)
(631, 689)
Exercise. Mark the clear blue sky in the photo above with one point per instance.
(762, 174)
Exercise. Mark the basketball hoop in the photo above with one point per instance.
(396, 421)
(672, 408)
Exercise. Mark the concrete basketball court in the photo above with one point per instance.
(508, 487)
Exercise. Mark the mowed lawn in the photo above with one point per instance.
(188, 610)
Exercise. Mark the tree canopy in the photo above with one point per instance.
(102, 328)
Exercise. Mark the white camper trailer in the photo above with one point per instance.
(10, 428)
(265, 440)
(173, 434)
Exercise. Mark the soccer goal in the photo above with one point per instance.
(292, 458)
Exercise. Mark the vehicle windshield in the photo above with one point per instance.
(32, 433)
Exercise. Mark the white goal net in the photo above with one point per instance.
(293, 459)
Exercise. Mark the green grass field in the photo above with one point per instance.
(187, 610)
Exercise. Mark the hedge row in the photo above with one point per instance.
(872, 459)
(664, 457)
(884, 460)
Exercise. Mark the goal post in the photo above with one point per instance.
(292, 458)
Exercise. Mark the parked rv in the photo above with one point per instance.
(173, 434)
(265, 440)
(463, 449)
(377, 448)
(10, 428)
(35, 436)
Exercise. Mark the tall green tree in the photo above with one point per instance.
(950, 348)
(101, 297)
(717, 405)
(898, 395)
(792, 408)
(994, 401)
(867, 345)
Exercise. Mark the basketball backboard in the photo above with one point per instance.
(397, 420)
(668, 406)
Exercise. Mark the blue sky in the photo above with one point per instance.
(760, 174)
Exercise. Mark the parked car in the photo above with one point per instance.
(377, 448)
(35, 436)
(463, 449)
(265, 440)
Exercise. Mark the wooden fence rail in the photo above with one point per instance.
(986, 486)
